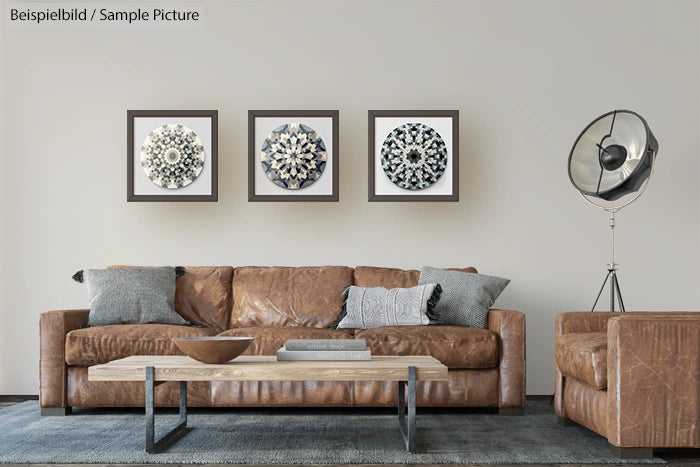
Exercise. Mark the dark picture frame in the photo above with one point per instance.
(138, 185)
(261, 123)
(380, 187)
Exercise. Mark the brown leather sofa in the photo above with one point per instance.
(273, 304)
(633, 378)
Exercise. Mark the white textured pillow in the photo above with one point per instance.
(365, 308)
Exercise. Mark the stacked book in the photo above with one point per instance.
(324, 349)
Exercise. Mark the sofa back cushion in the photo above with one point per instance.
(389, 278)
(203, 295)
(288, 296)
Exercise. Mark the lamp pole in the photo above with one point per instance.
(612, 272)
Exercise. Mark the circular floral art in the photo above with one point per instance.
(172, 156)
(414, 156)
(293, 156)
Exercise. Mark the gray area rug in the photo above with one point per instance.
(298, 436)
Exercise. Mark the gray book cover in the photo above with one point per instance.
(283, 354)
(325, 344)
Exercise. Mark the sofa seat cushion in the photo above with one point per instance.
(283, 296)
(269, 340)
(454, 346)
(101, 344)
(583, 356)
(391, 278)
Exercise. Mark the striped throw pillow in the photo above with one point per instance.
(365, 308)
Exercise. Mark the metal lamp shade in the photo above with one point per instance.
(613, 155)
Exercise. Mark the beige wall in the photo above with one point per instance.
(527, 76)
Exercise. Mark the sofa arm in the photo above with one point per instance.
(582, 321)
(654, 380)
(53, 327)
(510, 327)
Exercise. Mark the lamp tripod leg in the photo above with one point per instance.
(614, 292)
(601, 291)
(611, 274)
(619, 293)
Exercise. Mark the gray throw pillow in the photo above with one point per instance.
(130, 296)
(466, 297)
(365, 308)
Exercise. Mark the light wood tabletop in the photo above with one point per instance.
(267, 368)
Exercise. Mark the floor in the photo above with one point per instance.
(676, 457)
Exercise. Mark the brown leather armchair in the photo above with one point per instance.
(631, 377)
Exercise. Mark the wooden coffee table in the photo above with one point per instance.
(154, 370)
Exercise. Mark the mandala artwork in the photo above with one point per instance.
(293, 156)
(172, 156)
(414, 156)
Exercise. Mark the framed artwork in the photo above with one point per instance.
(172, 155)
(413, 155)
(292, 155)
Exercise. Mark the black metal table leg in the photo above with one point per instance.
(174, 434)
(407, 425)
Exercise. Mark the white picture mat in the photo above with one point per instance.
(143, 127)
(385, 125)
(323, 126)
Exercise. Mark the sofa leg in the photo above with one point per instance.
(563, 421)
(511, 411)
(632, 453)
(56, 411)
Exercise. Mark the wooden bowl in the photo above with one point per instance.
(213, 349)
